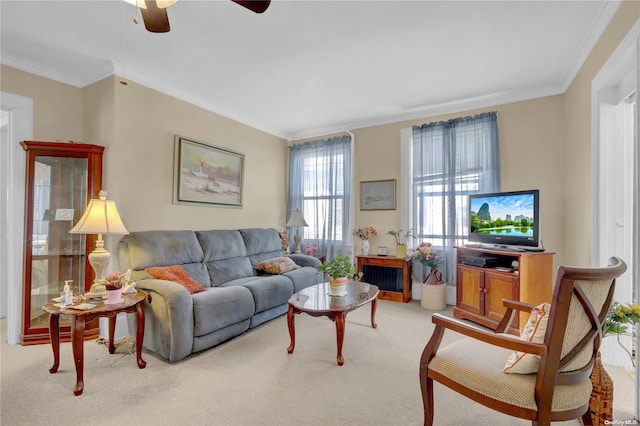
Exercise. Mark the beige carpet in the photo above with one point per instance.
(251, 380)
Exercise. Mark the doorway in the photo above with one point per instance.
(18, 127)
(616, 185)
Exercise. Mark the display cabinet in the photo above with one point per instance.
(61, 177)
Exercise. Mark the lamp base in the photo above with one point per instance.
(297, 239)
(99, 259)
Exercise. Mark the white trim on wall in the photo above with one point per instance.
(12, 166)
(615, 160)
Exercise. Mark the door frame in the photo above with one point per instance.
(12, 172)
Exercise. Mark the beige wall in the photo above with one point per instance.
(531, 137)
(545, 144)
(137, 126)
(141, 159)
(57, 107)
(578, 143)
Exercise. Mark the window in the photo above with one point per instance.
(319, 185)
(449, 161)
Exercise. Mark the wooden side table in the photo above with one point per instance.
(391, 274)
(79, 318)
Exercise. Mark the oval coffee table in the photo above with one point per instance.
(316, 301)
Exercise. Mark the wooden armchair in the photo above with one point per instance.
(561, 387)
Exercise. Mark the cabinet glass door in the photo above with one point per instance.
(59, 198)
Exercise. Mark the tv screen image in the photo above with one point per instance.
(505, 218)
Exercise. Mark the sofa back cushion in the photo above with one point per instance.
(225, 255)
(144, 249)
(262, 244)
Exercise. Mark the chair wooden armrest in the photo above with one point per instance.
(512, 306)
(488, 336)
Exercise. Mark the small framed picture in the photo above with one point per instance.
(378, 195)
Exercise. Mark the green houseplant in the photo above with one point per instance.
(340, 270)
(621, 316)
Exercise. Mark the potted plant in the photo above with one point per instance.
(340, 270)
(113, 285)
(620, 316)
(365, 234)
(434, 291)
(400, 241)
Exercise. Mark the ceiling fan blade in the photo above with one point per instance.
(155, 19)
(257, 6)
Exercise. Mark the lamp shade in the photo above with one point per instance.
(100, 217)
(296, 219)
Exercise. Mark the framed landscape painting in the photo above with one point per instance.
(378, 195)
(206, 174)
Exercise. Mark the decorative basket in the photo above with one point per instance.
(601, 402)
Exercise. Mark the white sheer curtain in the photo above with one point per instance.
(320, 186)
(450, 160)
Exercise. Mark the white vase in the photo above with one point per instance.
(365, 247)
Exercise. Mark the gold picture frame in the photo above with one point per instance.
(207, 175)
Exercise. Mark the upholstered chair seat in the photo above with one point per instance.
(460, 360)
(544, 374)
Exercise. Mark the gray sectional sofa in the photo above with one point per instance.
(236, 297)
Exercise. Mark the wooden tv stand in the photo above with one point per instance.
(479, 291)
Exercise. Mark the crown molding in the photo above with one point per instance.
(605, 14)
(607, 10)
(427, 111)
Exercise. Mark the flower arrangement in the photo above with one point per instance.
(310, 249)
(426, 255)
(366, 233)
(399, 237)
(113, 281)
(284, 238)
(620, 316)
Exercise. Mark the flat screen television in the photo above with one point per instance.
(505, 220)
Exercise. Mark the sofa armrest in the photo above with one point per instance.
(168, 318)
(305, 260)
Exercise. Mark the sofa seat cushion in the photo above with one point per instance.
(268, 290)
(219, 307)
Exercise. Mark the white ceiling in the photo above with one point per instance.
(308, 68)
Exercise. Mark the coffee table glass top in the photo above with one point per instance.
(317, 297)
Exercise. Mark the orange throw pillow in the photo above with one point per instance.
(177, 274)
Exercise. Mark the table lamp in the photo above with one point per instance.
(296, 219)
(100, 217)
